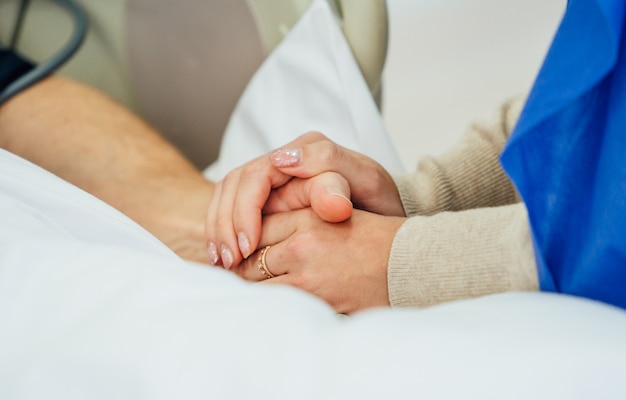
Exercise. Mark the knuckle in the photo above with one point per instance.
(295, 248)
(376, 179)
(305, 280)
(223, 186)
(250, 169)
(314, 136)
(309, 281)
(298, 249)
(329, 152)
(224, 223)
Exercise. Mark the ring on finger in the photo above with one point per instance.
(262, 266)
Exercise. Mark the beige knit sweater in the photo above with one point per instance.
(468, 234)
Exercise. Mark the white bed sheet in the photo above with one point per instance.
(92, 306)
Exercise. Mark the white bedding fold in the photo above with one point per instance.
(92, 306)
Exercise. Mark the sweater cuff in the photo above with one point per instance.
(458, 255)
(415, 194)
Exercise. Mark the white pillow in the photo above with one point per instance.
(311, 81)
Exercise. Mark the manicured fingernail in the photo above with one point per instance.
(244, 244)
(336, 192)
(213, 256)
(286, 157)
(227, 257)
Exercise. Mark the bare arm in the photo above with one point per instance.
(89, 140)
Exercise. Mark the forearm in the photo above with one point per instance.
(468, 176)
(89, 140)
(458, 255)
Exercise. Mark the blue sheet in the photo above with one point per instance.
(567, 155)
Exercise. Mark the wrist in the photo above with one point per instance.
(175, 215)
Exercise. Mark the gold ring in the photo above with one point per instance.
(262, 266)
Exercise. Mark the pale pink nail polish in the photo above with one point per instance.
(286, 157)
(213, 256)
(227, 257)
(244, 244)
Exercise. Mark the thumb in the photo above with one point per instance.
(328, 194)
(330, 197)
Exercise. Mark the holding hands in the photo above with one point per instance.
(299, 200)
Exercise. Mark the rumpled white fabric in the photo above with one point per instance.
(93, 307)
(310, 82)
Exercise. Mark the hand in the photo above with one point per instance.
(83, 136)
(344, 263)
(311, 171)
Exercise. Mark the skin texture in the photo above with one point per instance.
(84, 137)
(89, 140)
(296, 200)
(323, 171)
(343, 263)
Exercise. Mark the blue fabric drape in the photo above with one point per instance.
(567, 155)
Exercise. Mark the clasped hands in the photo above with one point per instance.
(329, 214)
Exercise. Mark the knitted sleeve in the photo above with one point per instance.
(468, 235)
(464, 254)
(468, 176)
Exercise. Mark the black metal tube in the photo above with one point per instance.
(53, 63)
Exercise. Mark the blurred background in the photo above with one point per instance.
(182, 65)
(453, 61)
